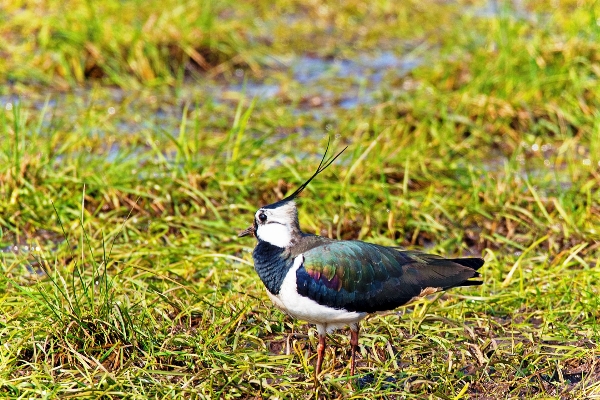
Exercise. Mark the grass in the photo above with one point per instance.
(122, 275)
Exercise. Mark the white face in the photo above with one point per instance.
(275, 226)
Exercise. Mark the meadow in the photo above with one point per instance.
(138, 138)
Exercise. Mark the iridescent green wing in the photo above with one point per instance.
(364, 277)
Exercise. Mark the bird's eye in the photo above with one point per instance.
(262, 217)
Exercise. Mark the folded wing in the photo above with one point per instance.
(364, 277)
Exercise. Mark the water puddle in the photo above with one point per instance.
(24, 260)
(347, 83)
(310, 70)
(23, 256)
(495, 8)
(320, 88)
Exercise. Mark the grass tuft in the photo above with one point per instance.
(125, 175)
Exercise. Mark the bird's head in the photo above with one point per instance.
(277, 223)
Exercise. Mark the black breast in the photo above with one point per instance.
(272, 264)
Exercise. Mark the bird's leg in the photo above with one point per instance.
(354, 346)
(320, 352)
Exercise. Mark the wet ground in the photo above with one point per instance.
(312, 88)
(321, 88)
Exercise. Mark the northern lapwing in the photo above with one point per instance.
(336, 283)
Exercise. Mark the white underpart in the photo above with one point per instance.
(327, 319)
(276, 234)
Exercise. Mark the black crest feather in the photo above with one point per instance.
(322, 166)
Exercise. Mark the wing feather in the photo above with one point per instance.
(364, 277)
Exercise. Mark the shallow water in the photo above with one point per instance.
(25, 258)
(309, 87)
(324, 86)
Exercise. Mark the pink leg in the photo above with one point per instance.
(354, 345)
(320, 353)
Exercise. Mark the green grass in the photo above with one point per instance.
(124, 203)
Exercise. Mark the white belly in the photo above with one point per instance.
(300, 307)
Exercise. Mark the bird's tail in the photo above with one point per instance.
(473, 263)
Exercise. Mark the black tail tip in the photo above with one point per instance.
(473, 263)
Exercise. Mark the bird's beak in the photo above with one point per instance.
(246, 232)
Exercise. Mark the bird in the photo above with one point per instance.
(337, 283)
